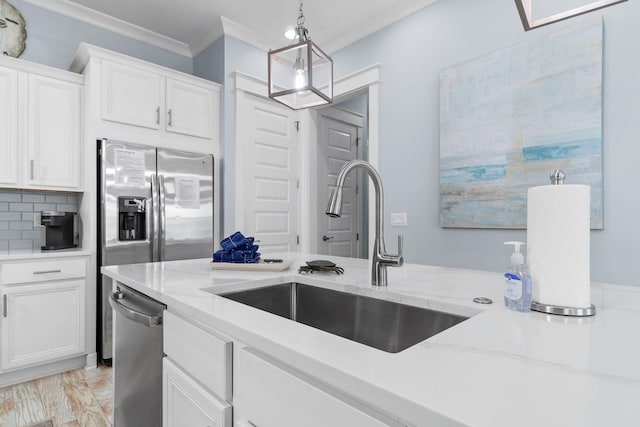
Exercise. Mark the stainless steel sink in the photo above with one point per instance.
(385, 325)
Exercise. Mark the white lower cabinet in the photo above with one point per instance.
(266, 395)
(42, 322)
(186, 403)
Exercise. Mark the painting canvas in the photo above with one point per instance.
(510, 118)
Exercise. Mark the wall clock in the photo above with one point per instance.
(12, 30)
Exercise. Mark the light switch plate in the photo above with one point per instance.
(399, 218)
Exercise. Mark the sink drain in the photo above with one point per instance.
(482, 300)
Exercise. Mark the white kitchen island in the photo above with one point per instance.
(498, 368)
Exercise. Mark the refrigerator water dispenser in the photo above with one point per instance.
(132, 218)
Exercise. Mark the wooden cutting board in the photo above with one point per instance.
(258, 266)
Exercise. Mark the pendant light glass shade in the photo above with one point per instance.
(300, 75)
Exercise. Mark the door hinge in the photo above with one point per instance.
(357, 189)
(357, 236)
(298, 183)
(296, 123)
(297, 240)
(358, 141)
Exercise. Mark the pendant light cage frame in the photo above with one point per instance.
(301, 74)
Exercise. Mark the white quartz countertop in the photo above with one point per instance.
(499, 368)
(19, 254)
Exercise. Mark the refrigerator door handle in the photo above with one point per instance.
(163, 218)
(154, 233)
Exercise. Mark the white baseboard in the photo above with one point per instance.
(31, 373)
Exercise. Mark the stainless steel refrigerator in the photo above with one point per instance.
(154, 204)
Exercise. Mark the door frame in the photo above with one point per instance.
(367, 78)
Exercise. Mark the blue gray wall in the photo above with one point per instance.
(413, 51)
(53, 39)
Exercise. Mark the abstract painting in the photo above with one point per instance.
(508, 119)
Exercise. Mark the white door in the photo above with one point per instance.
(190, 109)
(42, 322)
(267, 166)
(8, 126)
(337, 145)
(53, 130)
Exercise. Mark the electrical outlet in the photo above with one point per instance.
(36, 219)
(399, 218)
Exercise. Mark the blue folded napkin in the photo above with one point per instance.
(236, 241)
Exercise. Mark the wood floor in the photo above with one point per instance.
(78, 398)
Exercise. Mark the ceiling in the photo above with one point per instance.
(189, 26)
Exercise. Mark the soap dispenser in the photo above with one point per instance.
(517, 281)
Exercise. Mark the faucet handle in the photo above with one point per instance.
(399, 257)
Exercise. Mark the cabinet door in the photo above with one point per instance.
(53, 129)
(266, 395)
(8, 126)
(42, 322)
(185, 403)
(131, 95)
(190, 109)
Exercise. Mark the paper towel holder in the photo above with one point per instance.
(557, 177)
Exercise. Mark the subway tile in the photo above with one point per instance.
(21, 225)
(4, 244)
(27, 216)
(10, 216)
(37, 207)
(33, 198)
(66, 208)
(20, 244)
(31, 235)
(4, 206)
(21, 207)
(9, 235)
(56, 198)
(9, 197)
(37, 244)
(4, 225)
(72, 199)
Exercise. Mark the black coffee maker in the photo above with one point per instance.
(60, 229)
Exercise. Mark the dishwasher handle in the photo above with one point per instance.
(131, 314)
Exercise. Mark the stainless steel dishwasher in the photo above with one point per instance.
(137, 358)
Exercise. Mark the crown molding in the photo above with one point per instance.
(247, 35)
(391, 15)
(101, 20)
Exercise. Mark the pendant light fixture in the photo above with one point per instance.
(301, 74)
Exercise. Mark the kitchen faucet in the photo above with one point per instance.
(380, 259)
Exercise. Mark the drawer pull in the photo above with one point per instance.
(47, 271)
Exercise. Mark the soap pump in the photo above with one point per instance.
(517, 281)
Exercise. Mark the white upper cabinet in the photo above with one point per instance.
(53, 134)
(147, 98)
(40, 127)
(130, 95)
(8, 126)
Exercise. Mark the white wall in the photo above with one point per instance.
(413, 51)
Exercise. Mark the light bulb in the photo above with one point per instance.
(300, 79)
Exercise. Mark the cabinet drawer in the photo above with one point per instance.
(266, 395)
(40, 271)
(202, 355)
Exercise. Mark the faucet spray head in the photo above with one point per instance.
(334, 208)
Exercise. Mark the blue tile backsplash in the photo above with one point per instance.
(17, 208)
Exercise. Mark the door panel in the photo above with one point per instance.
(268, 138)
(187, 205)
(190, 109)
(8, 126)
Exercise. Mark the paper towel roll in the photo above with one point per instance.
(558, 244)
